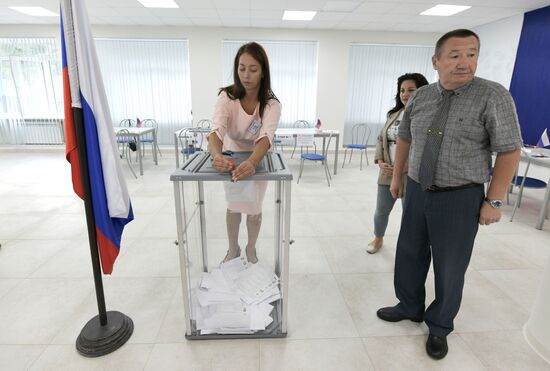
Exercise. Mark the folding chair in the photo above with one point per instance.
(301, 124)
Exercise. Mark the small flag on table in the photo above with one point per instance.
(544, 141)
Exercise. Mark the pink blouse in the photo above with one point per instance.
(240, 131)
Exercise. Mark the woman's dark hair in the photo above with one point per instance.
(237, 91)
(419, 80)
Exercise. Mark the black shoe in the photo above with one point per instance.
(393, 314)
(436, 346)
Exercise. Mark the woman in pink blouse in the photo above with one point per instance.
(246, 116)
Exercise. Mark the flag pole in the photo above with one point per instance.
(107, 331)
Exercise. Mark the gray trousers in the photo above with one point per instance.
(442, 225)
(384, 205)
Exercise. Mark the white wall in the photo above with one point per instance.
(205, 49)
(499, 44)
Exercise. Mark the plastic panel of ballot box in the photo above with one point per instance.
(221, 299)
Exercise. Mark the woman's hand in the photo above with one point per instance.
(245, 169)
(222, 163)
(387, 169)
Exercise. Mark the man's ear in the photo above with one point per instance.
(434, 62)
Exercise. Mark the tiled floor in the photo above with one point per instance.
(47, 295)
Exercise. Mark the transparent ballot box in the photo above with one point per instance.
(235, 298)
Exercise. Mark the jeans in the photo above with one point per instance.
(384, 205)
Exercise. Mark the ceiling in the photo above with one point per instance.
(378, 15)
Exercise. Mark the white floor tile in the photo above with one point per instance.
(409, 353)
(19, 357)
(504, 351)
(129, 357)
(314, 355)
(238, 355)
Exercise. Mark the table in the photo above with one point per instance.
(181, 132)
(138, 133)
(316, 134)
(532, 157)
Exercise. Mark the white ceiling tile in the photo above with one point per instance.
(194, 4)
(118, 20)
(234, 13)
(201, 13)
(266, 14)
(176, 21)
(322, 25)
(133, 12)
(103, 11)
(264, 23)
(232, 4)
(330, 16)
(375, 7)
(235, 22)
(146, 21)
(203, 21)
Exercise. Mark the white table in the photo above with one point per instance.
(294, 132)
(532, 156)
(138, 134)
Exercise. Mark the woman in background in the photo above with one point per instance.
(385, 154)
(246, 116)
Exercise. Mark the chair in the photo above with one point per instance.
(191, 140)
(148, 123)
(317, 157)
(124, 139)
(360, 135)
(127, 123)
(301, 124)
(204, 123)
(526, 182)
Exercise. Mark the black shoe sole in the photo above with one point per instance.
(393, 319)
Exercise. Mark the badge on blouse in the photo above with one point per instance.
(254, 127)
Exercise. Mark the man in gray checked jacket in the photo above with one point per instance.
(448, 133)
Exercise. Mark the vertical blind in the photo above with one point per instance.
(293, 68)
(147, 79)
(372, 84)
(31, 97)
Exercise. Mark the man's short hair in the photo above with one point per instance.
(461, 32)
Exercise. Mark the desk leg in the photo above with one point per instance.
(336, 153)
(177, 151)
(544, 209)
(140, 155)
(155, 147)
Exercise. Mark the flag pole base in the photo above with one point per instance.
(96, 340)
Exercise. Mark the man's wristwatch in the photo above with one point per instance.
(495, 204)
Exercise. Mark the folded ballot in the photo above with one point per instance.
(235, 298)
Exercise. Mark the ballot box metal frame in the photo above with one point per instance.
(198, 169)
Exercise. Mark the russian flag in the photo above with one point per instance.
(83, 88)
(544, 141)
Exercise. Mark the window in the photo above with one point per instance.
(373, 73)
(293, 67)
(147, 79)
(31, 97)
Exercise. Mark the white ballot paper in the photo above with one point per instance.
(235, 298)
